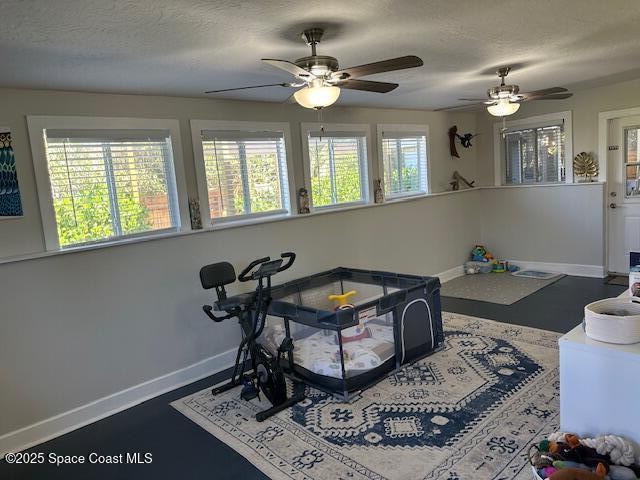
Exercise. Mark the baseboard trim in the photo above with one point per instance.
(577, 270)
(594, 271)
(66, 422)
(450, 274)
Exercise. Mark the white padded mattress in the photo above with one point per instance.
(319, 352)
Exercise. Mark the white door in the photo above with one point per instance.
(623, 195)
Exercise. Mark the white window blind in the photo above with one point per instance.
(110, 184)
(246, 173)
(404, 161)
(337, 168)
(535, 155)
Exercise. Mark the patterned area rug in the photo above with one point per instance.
(468, 412)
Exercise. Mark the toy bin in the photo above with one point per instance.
(390, 320)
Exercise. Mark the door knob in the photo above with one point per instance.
(612, 205)
(613, 194)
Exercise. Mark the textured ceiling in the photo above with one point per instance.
(184, 47)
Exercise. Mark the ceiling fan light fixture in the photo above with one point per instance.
(317, 97)
(503, 108)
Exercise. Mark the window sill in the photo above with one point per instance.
(543, 185)
(339, 207)
(411, 196)
(252, 220)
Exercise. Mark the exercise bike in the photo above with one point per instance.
(267, 375)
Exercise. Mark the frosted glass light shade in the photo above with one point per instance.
(503, 108)
(317, 97)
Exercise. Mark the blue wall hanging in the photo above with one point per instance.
(10, 204)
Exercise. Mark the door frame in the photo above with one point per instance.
(604, 120)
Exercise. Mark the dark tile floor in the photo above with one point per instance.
(181, 449)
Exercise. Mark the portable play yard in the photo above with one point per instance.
(391, 320)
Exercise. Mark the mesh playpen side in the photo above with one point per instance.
(395, 319)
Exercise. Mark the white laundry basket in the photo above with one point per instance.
(535, 474)
(613, 320)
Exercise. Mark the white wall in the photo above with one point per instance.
(548, 224)
(79, 326)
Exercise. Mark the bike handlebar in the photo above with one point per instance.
(247, 274)
(244, 275)
(291, 257)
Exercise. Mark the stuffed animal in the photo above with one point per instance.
(618, 448)
(480, 254)
(579, 474)
(579, 453)
(569, 449)
(603, 456)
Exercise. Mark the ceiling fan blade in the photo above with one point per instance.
(544, 91)
(367, 85)
(399, 63)
(252, 86)
(459, 107)
(553, 96)
(472, 99)
(290, 67)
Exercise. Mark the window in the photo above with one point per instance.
(242, 169)
(632, 162)
(536, 151)
(403, 150)
(336, 164)
(104, 184)
(535, 155)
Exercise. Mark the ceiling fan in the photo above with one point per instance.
(504, 100)
(319, 78)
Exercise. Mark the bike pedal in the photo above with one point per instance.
(249, 392)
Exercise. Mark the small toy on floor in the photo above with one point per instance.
(499, 266)
(502, 266)
(481, 254)
(566, 456)
(578, 474)
(471, 267)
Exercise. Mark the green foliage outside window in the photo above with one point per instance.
(343, 187)
(87, 217)
(410, 180)
(225, 169)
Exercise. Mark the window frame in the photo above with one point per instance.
(406, 129)
(366, 174)
(38, 124)
(537, 121)
(198, 126)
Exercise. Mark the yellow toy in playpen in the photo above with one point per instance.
(360, 331)
(342, 300)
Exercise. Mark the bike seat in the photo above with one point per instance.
(236, 301)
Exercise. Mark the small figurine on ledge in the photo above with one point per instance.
(457, 178)
(303, 201)
(194, 214)
(378, 195)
